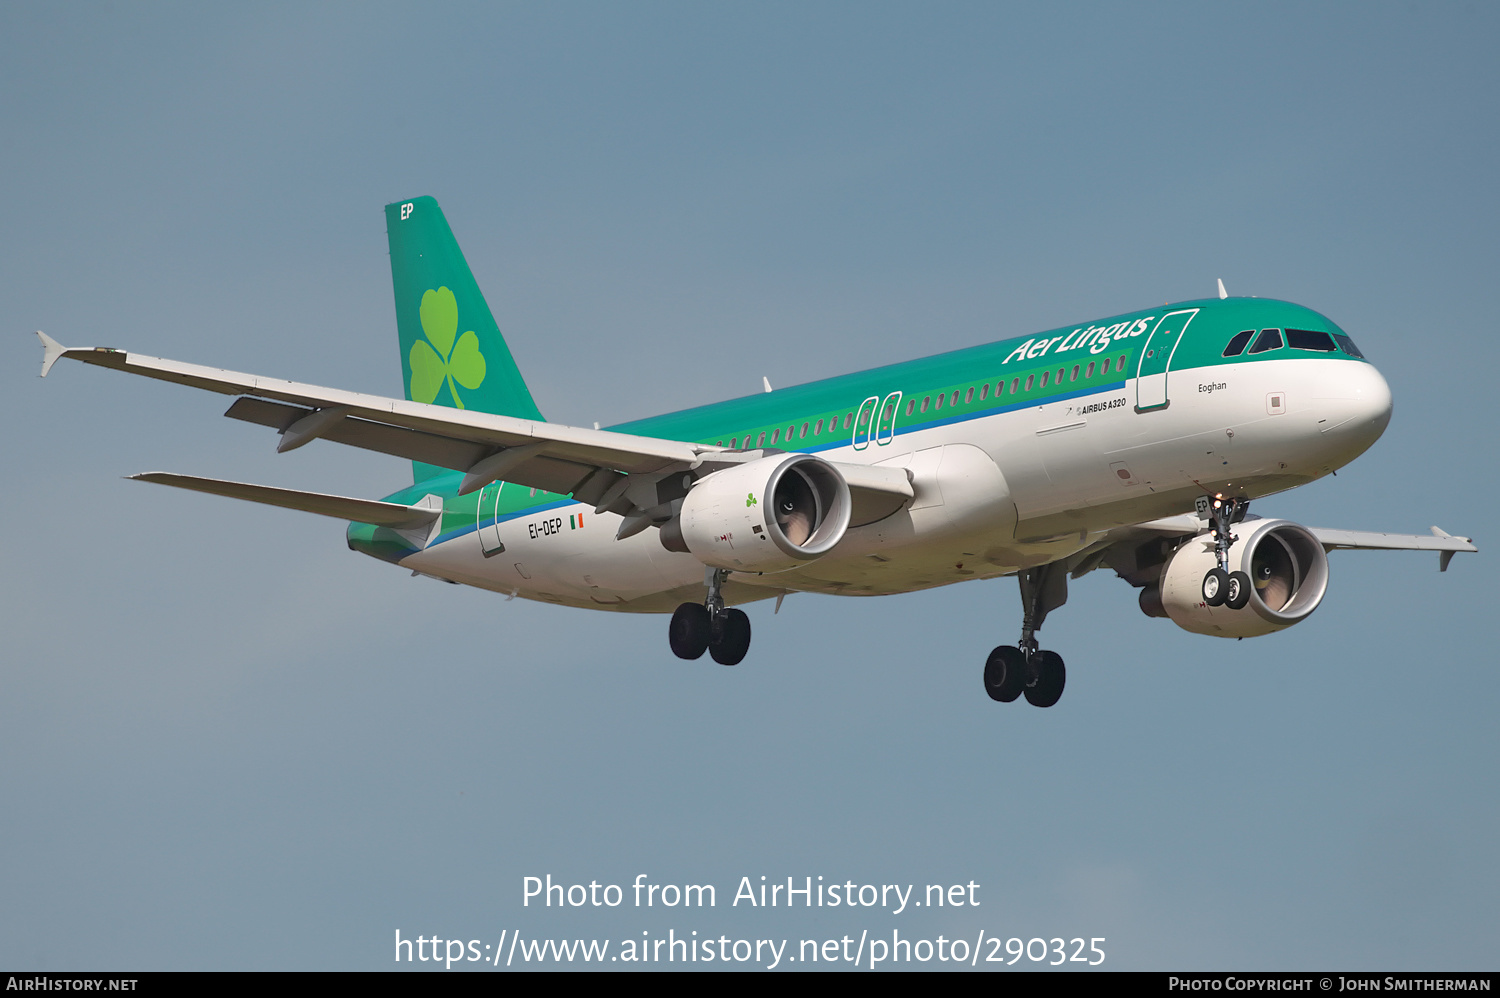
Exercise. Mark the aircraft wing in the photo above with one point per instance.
(1445, 544)
(592, 465)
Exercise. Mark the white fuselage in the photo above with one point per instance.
(993, 494)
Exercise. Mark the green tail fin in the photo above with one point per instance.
(452, 352)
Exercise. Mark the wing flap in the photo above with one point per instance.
(398, 441)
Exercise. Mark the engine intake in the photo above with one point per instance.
(1288, 570)
(768, 515)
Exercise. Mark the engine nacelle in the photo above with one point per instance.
(1288, 570)
(768, 515)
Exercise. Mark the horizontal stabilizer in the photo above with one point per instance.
(381, 514)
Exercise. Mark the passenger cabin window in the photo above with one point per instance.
(848, 420)
(911, 406)
(1269, 339)
(1309, 339)
(954, 399)
(940, 401)
(925, 402)
(1015, 385)
(1348, 345)
(1090, 372)
(762, 441)
(1075, 373)
(984, 391)
(1045, 376)
(1031, 380)
(1237, 344)
(968, 396)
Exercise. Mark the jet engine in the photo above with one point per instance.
(768, 515)
(1288, 570)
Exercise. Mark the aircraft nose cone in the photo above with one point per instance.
(1356, 410)
(1368, 389)
(1377, 400)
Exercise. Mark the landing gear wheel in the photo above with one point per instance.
(1050, 680)
(729, 646)
(689, 631)
(1005, 673)
(1215, 586)
(1238, 593)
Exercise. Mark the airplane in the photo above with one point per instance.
(1135, 443)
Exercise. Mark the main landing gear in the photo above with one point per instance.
(710, 626)
(1029, 670)
(1222, 587)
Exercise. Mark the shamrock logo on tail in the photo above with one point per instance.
(438, 358)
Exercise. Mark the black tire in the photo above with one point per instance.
(1051, 678)
(688, 632)
(1005, 673)
(1215, 586)
(734, 639)
(1238, 593)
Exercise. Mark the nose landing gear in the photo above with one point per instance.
(1029, 670)
(710, 626)
(1222, 587)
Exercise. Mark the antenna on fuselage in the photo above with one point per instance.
(767, 382)
(1222, 292)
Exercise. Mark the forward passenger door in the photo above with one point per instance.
(1156, 360)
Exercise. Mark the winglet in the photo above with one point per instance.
(52, 351)
(1446, 556)
(1443, 556)
(1222, 292)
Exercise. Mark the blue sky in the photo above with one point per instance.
(228, 742)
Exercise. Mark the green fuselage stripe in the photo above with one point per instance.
(837, 401)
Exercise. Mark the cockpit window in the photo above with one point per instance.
(1237, 345)
(1309, 339)
(1348, 345)
(1269, 339)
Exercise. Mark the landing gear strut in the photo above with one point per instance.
(1029, 670)
(1222, 587)
(710, 626)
